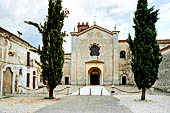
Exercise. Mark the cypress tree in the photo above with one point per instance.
(52, 53)
(146, 55)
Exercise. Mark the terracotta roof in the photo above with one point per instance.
(165, 48)
(11, 34)
(95, 61)
(165, 41)
(67, 53)
(120, 41)
(92, 27)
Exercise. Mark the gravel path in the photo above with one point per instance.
(152, 104)
(24, 104)
(86, 104)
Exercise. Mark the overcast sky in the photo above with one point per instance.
(13, 13)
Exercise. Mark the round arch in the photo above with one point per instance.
(93, 67)
(10, 69)
(94, 75)
(124, 79)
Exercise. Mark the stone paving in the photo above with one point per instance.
(95, 90)
(86, 104)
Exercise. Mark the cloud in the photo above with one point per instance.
(108, 13)
(163, 23)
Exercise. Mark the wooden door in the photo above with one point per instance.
(7, 81)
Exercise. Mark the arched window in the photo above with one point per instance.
(94, 51)
(122, 54)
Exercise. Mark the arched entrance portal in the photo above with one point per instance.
(94, 75)
(7, 81)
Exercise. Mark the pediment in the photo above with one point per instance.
(92, 28)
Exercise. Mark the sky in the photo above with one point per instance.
(107, 13)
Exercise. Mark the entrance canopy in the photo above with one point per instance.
(94, 73)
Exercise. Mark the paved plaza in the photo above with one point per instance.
(119, 102)
(92, 90)
(86, 104)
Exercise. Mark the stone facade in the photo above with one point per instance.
(163, 82)
(112, 64)
(125, 71)
(82, 62)
(66, 69)
(17, 64)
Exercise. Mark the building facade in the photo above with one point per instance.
(18, 69)
(98, 57)
(95, 58)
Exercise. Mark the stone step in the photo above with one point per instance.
(95, 90)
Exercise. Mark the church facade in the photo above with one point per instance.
(97, 58)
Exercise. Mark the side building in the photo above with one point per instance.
(18, 69)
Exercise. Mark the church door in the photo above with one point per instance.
(66, 80)
(7, 81)
(123, 80)
(94, 78)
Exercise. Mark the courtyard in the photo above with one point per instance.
(119, 102)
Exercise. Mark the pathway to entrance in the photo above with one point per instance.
(86, 104)
(95, 90)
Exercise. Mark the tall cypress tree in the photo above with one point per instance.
(51, 53)
(146, 55)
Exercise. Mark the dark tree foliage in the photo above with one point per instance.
(146, 55)
(51, 53)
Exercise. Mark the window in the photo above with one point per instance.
(122, 54)
(28, 80)
(94, 51)
(20, 71)
(34, 73)
(28, 58)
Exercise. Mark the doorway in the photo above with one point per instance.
(94, 77)
(123, 80)
(34, 80)
(66, 80)
(7, 81)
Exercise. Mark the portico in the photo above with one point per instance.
(94, 72)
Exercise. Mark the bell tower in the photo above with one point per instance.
(82, 27)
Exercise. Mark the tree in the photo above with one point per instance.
(146, 55)
(52, 54)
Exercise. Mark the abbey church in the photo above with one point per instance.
(98, 57)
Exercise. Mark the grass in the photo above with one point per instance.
(49, 98)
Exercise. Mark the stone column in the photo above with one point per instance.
(116, 60)
(102, 78)
(74, 61)
(86, 76)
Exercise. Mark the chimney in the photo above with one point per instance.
(82, 27)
